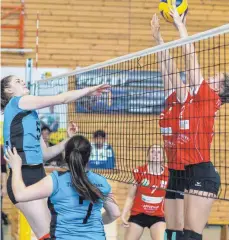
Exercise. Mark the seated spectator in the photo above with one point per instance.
(102, 155)
(59, 159)
(50, 120)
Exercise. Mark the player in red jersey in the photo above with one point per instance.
(146, 198)
(196, 130)
(174, 100)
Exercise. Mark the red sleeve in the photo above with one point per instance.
(170, 99)
(208, 99)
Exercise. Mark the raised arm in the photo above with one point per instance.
(155, 28)
(170, 73)
(191, 59)
(30, 102)
(40, 190)
(51, 152)
(128, 204)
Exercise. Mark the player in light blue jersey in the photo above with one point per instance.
(76, 196)
(22, 131)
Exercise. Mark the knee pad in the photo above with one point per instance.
(46, 237)
(169, 234)
(191, 235)
(179, 235)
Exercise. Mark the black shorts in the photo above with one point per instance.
(145, 220)
(176, 184)
(30, 175)
(202, 177)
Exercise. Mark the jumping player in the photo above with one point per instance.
(22, 131)
(196, 130)
(176, 95)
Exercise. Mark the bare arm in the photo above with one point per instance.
(191, 59)
(155, 27)
(30, 102)
(51, 152)
(112, 211)
(170, 73)
(40, 190)
(128, 203)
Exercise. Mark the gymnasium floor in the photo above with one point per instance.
(6, 230)
(211, 233)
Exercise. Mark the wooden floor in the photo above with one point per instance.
(211, 233)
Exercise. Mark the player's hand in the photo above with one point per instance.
(178, 20)
(13, 159)
(99, 90)
(125, 223)
(155, 28)
(73, 129)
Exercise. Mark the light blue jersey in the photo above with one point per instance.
(73, 217)
(21, 129)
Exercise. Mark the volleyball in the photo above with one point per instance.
(165, 5)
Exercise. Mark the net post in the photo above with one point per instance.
(28, 75)
(71, 106)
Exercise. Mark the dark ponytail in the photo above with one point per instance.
(78, 150)
(224, 94)
(5, 98)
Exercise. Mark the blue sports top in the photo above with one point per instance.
(21, 129)
(72, 216)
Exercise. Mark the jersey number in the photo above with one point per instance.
(88, 210)
(38, 130)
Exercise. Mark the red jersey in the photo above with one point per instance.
(196, 125)
(150, 193)
(169, 126)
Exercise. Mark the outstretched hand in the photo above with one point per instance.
(155, 27)
(99, 90)
(178, 20)
(73, 129)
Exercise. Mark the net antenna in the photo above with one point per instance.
(13, 19)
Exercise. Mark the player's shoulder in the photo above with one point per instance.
(12, 104)
(99, 181)
(202, 89)
(60, 174)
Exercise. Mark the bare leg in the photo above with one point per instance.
(37, 215)
(134, 232)
(174, 214)
(157, 231)
(197, 210)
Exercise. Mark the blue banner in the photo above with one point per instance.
(133, 92)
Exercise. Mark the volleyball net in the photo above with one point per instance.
(130, 114)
